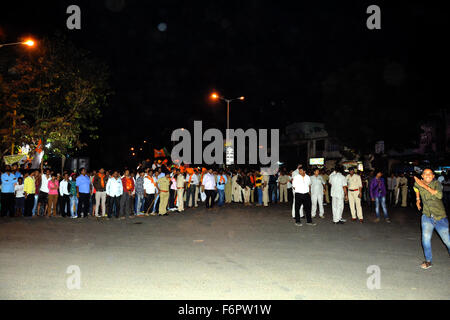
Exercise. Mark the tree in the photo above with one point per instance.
(58, 92)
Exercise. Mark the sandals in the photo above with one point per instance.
(426, 265)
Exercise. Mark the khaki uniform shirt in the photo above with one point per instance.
(164, 183)
(354, 182)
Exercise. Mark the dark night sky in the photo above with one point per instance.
(276, 53)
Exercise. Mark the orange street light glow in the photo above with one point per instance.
(241, 98)
(215, 96)
(29, 43)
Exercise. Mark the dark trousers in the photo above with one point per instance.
(83, 204)
(272, 192)
(114, 206)
(210, 194)
(149, 201)
(172, 194)
(7, 204)
(64, 203)
(190, 193)
(126, 206)
(29, 204)
(305, 200)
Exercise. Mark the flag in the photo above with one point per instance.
(159, 153)
(36, 162)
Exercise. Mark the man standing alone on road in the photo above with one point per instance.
(433, 214)
(301, 184)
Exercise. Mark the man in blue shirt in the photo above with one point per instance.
(221, 181)
(16, 172)
(83, 193)
(7, 202)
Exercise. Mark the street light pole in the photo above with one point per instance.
(29, 43)
(228, 101)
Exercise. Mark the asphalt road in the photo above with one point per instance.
(230, 253)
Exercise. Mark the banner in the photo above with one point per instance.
(9, 160)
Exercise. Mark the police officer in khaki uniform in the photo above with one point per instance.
(402, 184)
(325, 178)
(354, 185)
(163, 189)
(265, 186)
(180, 190)
(283, 179)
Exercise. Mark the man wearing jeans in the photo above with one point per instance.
(221, 181)
(433, 213)
(378, 194)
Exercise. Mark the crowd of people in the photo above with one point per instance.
(158, 190)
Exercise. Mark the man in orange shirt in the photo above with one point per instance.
(126, 199)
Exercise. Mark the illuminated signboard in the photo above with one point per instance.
(316, 161)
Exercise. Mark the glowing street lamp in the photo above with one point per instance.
(28, 42)
(216, 96)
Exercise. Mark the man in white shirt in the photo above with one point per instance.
(338, 193)
(317, 192)
(43, 191)
(209, 187)
(191, 187)
(150, 190)
(391, 184)
(301, 183)
(64, 194)
(114, 189)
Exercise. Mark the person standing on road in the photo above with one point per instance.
(53, 190)
(29, 190)
(338, 193)
(83, 193)
(114, 190)
(283, 180)
(378, 195)
(221, 183)
(7, 198)
(64, 195)
(126, 201)
(317, 193)
(301, 184)
(402, 184)
(433, 213)
(163, 190)
(180, 182)
(354, 185)
(99, 182)
(209, 187)
(391, 183)
(326, 177)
